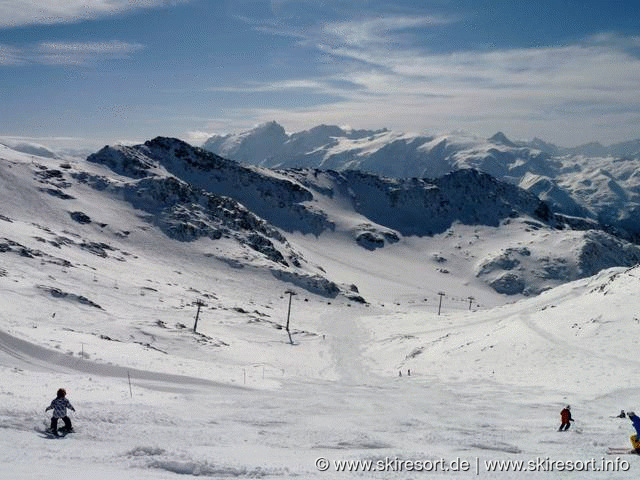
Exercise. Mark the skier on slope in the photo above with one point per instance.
(565, 417)
(635, 439)
(59, 406)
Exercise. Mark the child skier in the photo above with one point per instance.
(635, 439)
(59, 406)
(565, 417)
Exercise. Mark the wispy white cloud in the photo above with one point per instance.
(574, 89)
(197, 137)
(274, 27)
(14, 13)
(67, 53)
(10, 55)
(316, 85)
(76, 146)
(77, 53)
(381, 31)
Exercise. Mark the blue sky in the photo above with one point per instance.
(87, 73)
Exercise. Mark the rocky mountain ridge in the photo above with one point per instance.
(389, 209)
(591, 181)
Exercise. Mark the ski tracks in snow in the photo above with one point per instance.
(346, 340)
(571, 347)
(21, 354)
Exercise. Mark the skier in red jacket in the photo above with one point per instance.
(565, 416)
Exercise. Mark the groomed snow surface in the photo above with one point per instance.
(239, 401)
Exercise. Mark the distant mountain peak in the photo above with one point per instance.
(330, 130)
(501, 138)
(166, 143)
(271, 127)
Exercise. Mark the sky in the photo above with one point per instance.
(81, 74)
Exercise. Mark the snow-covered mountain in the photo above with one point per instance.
(593, 181)
(101, 262)
(187, 188)
(276, 219)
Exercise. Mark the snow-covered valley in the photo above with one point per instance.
(101, 268)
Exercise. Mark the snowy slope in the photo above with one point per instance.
(375, 211)
(97, 290)
(591, 181)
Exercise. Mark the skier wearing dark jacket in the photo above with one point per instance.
(635, 420)
(565, 417)
(59, 406)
